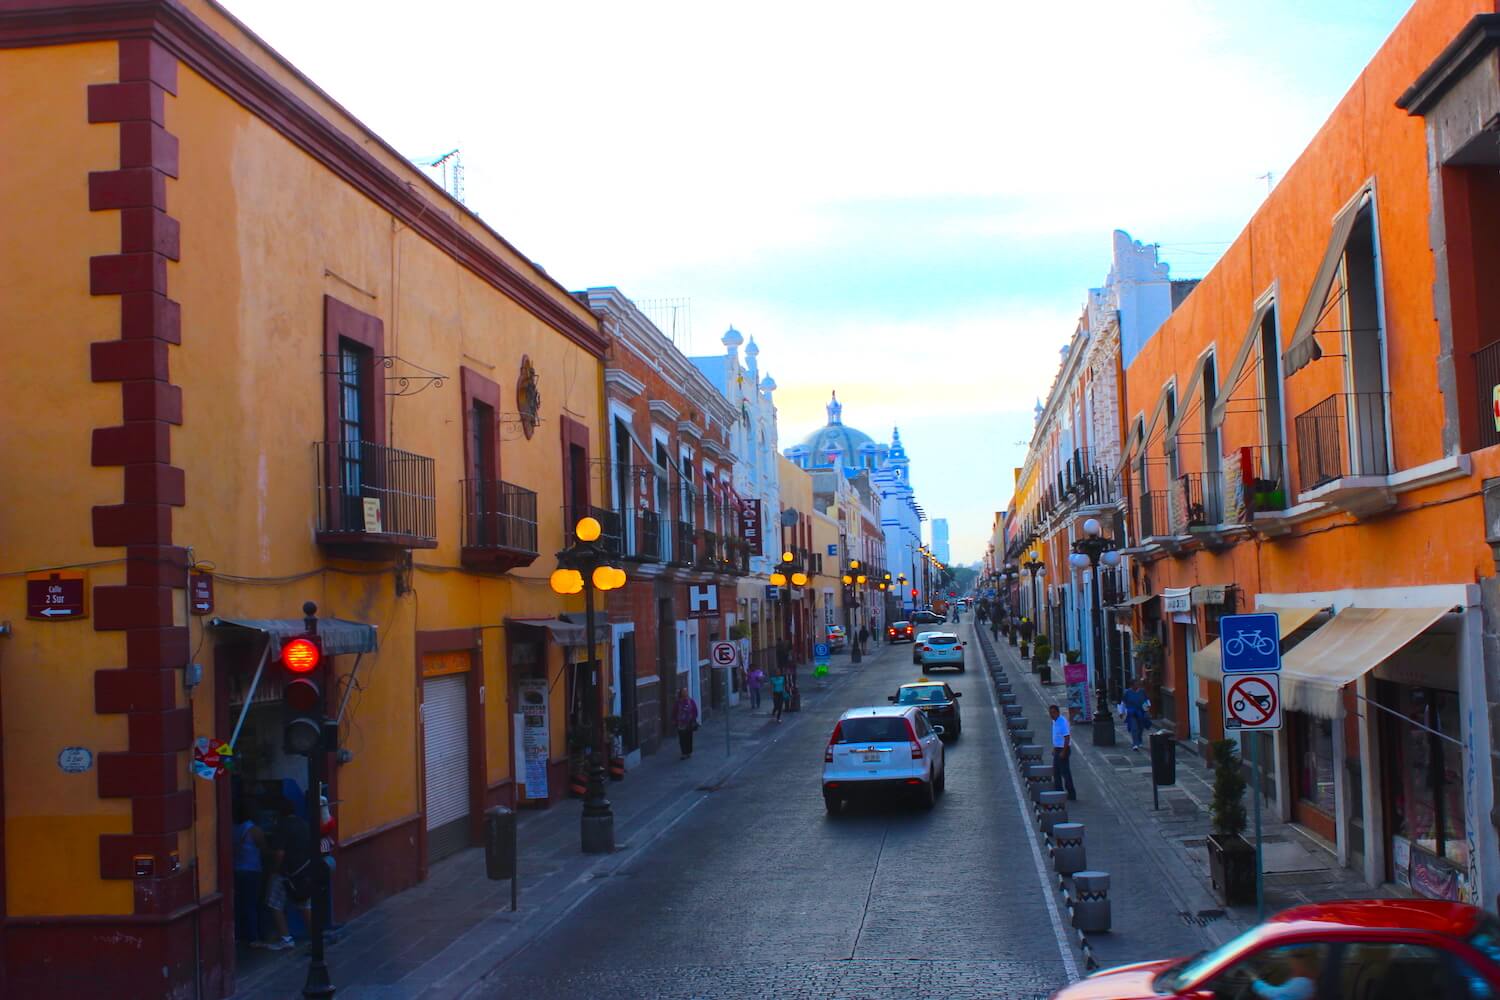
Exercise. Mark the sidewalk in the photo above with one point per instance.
(439, 938)
(1160, 890)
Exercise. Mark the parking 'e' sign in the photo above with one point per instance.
(1250, 643)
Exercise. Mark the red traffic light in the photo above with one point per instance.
(914, 591)
(301, 655)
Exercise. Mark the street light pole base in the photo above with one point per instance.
(598, 833)
(1104, 730)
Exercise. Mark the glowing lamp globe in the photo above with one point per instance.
(778, 579)
(587, 529)
(566, 581)
(786, 557)
(799, 579)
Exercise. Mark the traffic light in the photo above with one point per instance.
(914, 591)
(302, 698)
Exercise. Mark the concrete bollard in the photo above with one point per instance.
(1021, 737)
(1013, 711)
(1052, 809)
(1028, 754)
(1091, 908)
(1014, 722)
(1007, 701)
(1067, 848)
(1038, 780)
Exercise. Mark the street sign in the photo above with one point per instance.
(57, 595)
(820, 659)
(1252, 702)
(1250, 643)
(820, 651)
(725, 654)
(833, 550)
(201, 587)
(773, 592)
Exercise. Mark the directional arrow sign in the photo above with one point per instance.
(57, 594)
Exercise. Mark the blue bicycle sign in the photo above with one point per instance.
(1250, 643)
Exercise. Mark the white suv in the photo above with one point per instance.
(891, 749)
(940, 649)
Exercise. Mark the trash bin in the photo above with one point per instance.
(1163, 758)
(500, 843)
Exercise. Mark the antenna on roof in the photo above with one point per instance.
(1269, 177)
(450, 168)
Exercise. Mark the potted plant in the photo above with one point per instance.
(615, 727)
(1041, 652)
(1231, 859)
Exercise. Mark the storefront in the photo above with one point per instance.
(1384, 717)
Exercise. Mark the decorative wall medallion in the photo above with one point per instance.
(528, 397)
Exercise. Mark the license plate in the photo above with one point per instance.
(872, 758)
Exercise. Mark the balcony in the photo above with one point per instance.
(373, 499)
(1487, 377)
(1200, 505)
(1343, 455)
(499, 530)
(611, 537)
(644, 540)
(1152, 526)
(683, 544)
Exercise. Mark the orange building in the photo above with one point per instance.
(1307, 434)
(272, 353)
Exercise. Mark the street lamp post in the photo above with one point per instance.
(1036, 568)
(851, 602)
(585, 567)
(1088, 552)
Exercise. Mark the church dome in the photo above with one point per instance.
(752, 350)
(836, 445)
(768, 383)
(732, 338)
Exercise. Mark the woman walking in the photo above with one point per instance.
(778, 695)
(753, 682)
(1137, 716)
(687, 721)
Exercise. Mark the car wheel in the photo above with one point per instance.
(927, 797)
(942, 781)
(958, 731)
(962, 667)
(833, 804)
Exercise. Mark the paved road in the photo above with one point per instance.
(757, 892)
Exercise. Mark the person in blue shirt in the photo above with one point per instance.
(1137, 716)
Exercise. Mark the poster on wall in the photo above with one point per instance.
(1433, 877)
(1076, 677)
(1401, 861)
(535, 744)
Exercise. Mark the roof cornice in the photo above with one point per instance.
(1480, 38)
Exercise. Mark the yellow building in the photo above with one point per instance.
(271, 352)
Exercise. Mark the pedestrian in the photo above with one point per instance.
(249, 873)
(289, 876)
(687, 721)
(1301, 981)
(864, 638)
(1137, 712)
(1062, 751)
(753, 682)
(778, 694)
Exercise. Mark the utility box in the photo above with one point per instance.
(500, 843)
(1163, 758)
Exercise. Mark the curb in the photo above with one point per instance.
(992, 660)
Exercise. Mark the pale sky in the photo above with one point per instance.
(906, 203)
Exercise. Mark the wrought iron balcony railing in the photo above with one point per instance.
(1344, 435)
(374, 495)
(499, 528)
(1199, 501)
(1151, 514)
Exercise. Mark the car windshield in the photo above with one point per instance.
(1486, 937)
(927, 694)
(898, 626)
(942, 640)
(871, 729)
(1184, 974)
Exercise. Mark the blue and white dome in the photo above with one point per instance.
(837, 446)
(732, 338)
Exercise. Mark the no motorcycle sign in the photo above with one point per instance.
(1252, 702)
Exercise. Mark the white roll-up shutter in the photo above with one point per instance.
(445, 718)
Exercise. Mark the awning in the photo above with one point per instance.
(1131, 602)
(339, 636)
(1356, 641)
(1304, 349)
(1185, 399)
(1207, 661)
(1232, 380)
(564, 632)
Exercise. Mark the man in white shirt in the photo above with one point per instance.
(1062, 750)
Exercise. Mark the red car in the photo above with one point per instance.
(900, 632)
(1373, 949)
